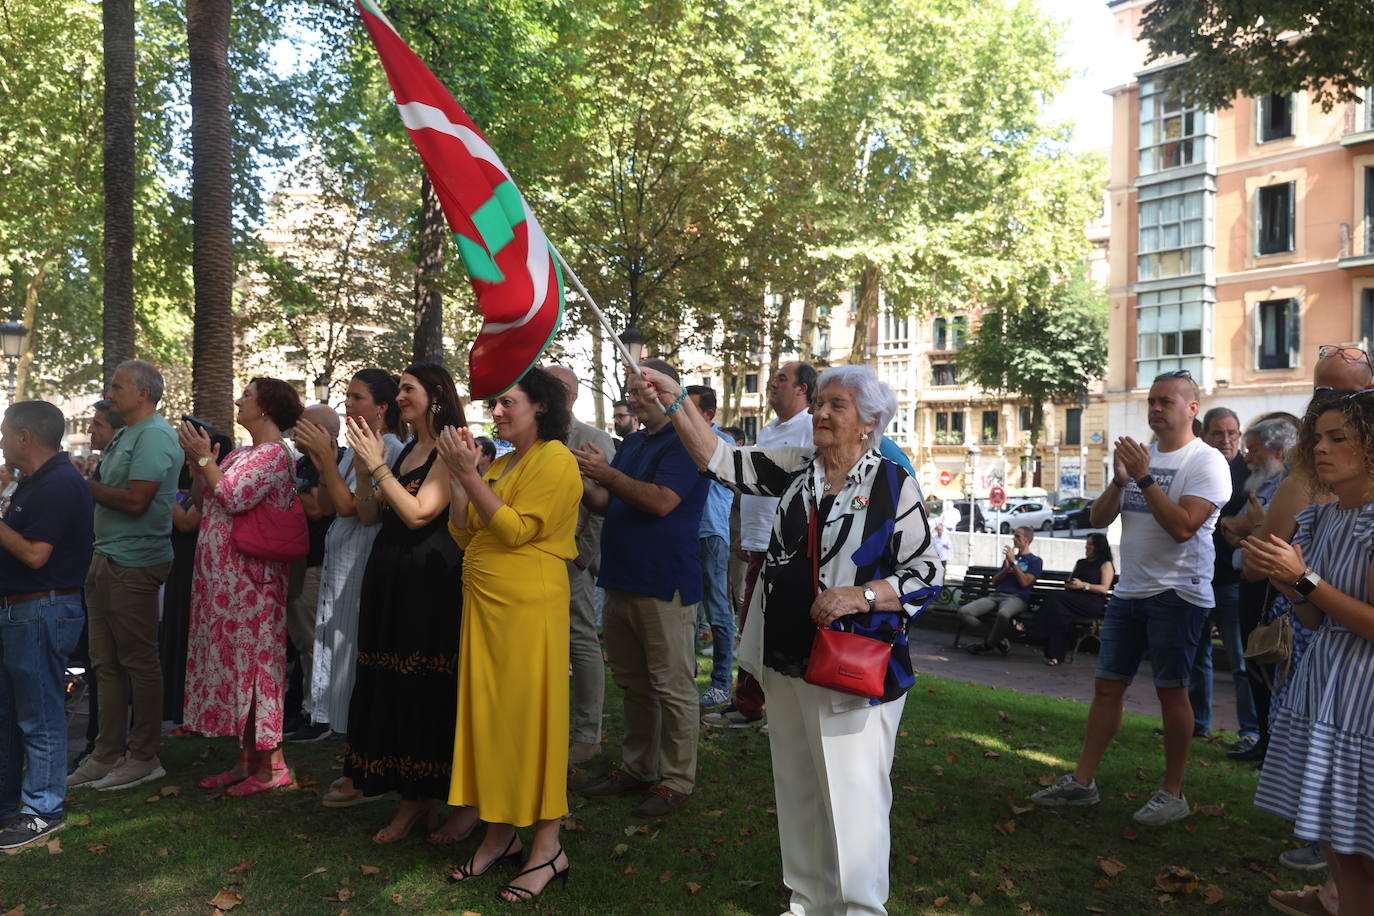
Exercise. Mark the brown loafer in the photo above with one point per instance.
(617, 783)
(582, 751)
(1298, 903)
(662, 801)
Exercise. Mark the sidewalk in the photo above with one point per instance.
(1023, 670)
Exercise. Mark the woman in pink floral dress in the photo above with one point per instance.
(236, 657)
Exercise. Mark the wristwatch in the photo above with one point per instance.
(1145, 481)
(1307, 583)
(871, 597)
(202, 461)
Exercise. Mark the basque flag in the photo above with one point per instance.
(512, 268)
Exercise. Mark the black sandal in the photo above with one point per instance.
(524, 896)
(464, 872)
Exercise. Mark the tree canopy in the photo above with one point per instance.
(1257, 47)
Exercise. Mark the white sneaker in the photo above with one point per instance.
(129, 773)
(1164, 807)
(90, 772)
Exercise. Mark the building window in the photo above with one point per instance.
(896, 372)
(1025, 418)
(1174, 220)
(1173, 331)
(1274, 218)
(751, 430)
(958, 332)
(1367, 317)
(1171, 134)
(900, 426)
(991, 419)
(1277, 334)
(1275, 116)
(949, 427)
(896, 332)
(1369, 208)
(944, 374)
(940, 334)
(1073, 426)
(751, 383)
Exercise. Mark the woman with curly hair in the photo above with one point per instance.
(236, 650)
(1319, 768)
(516, 524)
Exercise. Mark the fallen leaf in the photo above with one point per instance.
(1102, 884)
(929, 743)
(343, 895)
(1212, 894)
(1017, 809)
(81, 820)
(630, 831)
(397, 898)
(164, 851)
(715, 812)
(1046, 779)
(170, 791)
(975, 900)
(952, 757)
(665, 877)
(369, 869)
(1260, 871)
(1006, 829)
(991, 754)
(941, 901)
(901, 734)
(749, 883)
(692, 887)
(938, 770)
(1177, 880)
(54, 846)
(619, 850)
(1111, 866)
(17, 911)
(240, 868)
(96, 848)
(315, 871)
(1222, 870)
(1212, 810)
(1140, 773)
(1204, 764)
(226, 899)
(913, 859)
(1096, 909)
(1002, 715)
(1130, 834)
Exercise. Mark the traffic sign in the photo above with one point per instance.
(946, 478)
(997, 498)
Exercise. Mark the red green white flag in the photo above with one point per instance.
(508, 258)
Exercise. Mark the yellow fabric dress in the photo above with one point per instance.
(510, 749)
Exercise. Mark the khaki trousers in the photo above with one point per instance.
(650, 644)
(121, 619)
(584, 648)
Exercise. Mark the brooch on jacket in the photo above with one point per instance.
(858, 503)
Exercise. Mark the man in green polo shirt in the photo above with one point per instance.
(133, 520)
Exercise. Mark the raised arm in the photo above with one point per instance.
(334, 495)
(696, 434)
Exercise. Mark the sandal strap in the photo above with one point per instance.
(518, 891)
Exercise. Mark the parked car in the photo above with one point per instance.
(1073, 513)
(1030, 514)
(978, 520)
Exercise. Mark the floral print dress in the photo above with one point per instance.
(236, 653)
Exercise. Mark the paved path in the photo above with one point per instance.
(1023, 670)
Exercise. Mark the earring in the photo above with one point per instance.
(434, 408)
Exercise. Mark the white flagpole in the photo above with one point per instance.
(582, 291)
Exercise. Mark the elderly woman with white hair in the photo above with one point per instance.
(851, 543)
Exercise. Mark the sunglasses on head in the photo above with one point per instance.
(1347, 353)
(1176, 373)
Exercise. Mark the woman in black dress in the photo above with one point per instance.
(1084, 598)
(404, 704)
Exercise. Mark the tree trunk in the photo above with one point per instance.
(777, 331)
(212, 208)
(117, 321)
(429, 302)
(807, 345)
(30, 321)
(598, 371)
(865, 314)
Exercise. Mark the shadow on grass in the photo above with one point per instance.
(968, 756)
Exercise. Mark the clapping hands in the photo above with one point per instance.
(459, 450)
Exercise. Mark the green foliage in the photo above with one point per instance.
(1042, 345)
(1253, 48)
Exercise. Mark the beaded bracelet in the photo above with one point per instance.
(676, 404)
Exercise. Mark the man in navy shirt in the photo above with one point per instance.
(46, 540)
(652, 496)
(1011, 591)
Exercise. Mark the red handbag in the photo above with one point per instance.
(268, 533)
(843, 661)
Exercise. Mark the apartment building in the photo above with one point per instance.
(1241, 240)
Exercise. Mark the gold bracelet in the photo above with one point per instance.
(378, 481)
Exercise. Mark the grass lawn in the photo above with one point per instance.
(968, 757)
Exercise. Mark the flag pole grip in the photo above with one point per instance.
(582, 291)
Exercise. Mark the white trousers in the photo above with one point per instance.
(834, 795)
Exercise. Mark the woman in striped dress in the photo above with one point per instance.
(1319, 770)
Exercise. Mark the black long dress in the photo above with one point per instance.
(174, 629)
(405, 698)
(1060, 611)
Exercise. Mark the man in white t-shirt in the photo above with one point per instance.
(1167, 496)
(789, 395)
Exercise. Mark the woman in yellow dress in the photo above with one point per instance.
(516, 525)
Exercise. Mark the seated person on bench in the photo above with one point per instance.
(1011, 593)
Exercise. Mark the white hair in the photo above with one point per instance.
(874, 400)
(1274, 434)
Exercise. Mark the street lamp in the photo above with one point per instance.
(322, 388)
(634, 340)
(12, 347)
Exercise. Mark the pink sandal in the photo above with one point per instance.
(252, 785)
(227, 778)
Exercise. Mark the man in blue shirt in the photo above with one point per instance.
(652, 497)
(714, 539)
(1012, 586)
(45, 547)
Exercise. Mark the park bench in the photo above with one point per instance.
(977, 582)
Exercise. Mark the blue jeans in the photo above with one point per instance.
(36, 637)
(1166, 626)
(715, 600)
(1226, 618)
